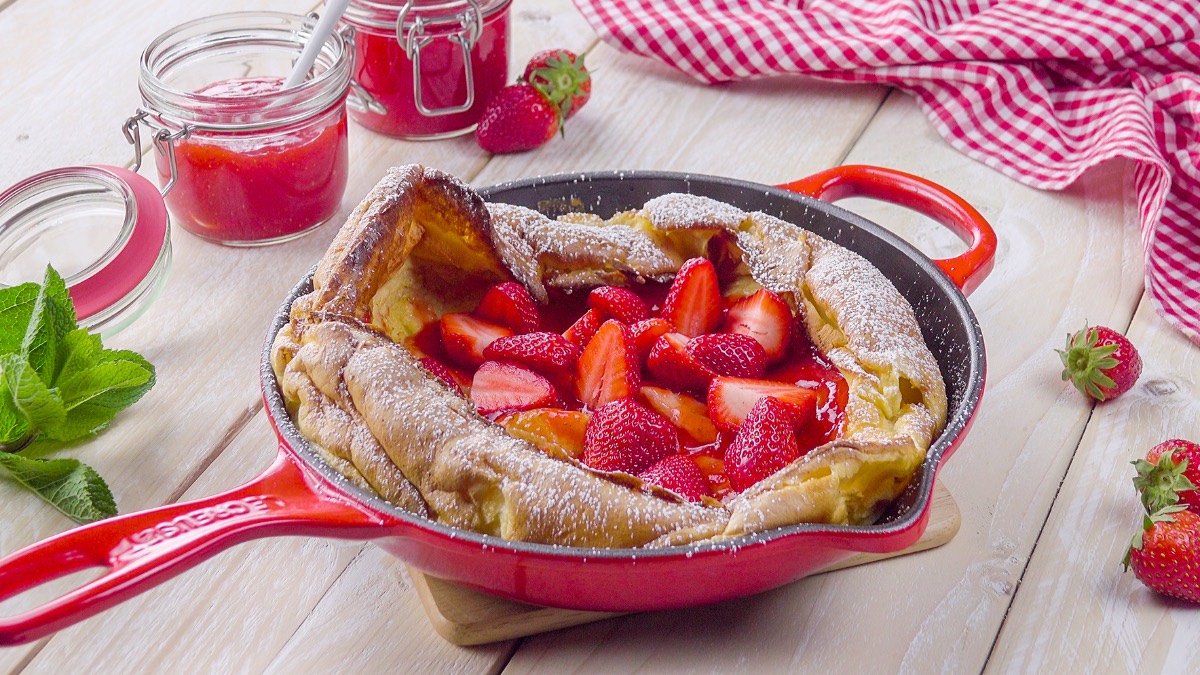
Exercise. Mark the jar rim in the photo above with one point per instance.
(114, 288)
(385, 14)
(176, 107)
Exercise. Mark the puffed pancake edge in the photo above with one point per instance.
(380, 419)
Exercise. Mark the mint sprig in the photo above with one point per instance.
(58, 384)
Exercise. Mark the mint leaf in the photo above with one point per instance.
(81, 350)
(93, 397)
(42, 405)
(53, 316)
(16, 306)
(58, 384)
(14, 424)
(68, 484)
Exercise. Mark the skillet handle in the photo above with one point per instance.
(141, 550)
(967, 270)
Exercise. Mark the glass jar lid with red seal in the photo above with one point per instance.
(243, 160)
(104, 229)
(428, 66)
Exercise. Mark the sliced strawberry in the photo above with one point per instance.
(809, 371)
(440, 372)
(582, 331)
(672, 366)
(550, 354)
(557, 432)
(509, 305)
(626, 436)
(730, 399)
(500, 387)
(645, 333)
(728, 354)
(765, 317)
(693, 304)
(765, 444)
(464, 337)
(622, 304)
(679, 474)
(685, 412)
(608, 368)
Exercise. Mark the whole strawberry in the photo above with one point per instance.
(561, 75)
(1165, 555)
(765, 444)
(1100, 362)
(626, 436)
(516, 119)
(680, 474)
(1169, 475)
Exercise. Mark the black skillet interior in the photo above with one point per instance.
(949, 327)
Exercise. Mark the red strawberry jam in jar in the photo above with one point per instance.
(427, 67)
(243, 161)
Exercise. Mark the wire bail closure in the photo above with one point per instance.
(163, 141)
(359, 99)
(415, 39)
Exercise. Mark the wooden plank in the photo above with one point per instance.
(1063, 258)
(466, 617)
(371, 622)
(1074, 592)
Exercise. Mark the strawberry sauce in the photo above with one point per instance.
(258, 186)
(801, 365)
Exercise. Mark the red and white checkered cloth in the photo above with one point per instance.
(1039, 90)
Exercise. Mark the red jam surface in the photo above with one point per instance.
(258, 186)
(802, 366)
(386, 72)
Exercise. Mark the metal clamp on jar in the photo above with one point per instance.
(430, 64)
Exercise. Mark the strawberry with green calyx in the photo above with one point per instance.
(1165, 555)
(1169, 475)
(561, 75)
(1100, 362)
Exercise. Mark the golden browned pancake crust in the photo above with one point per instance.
(423, 243)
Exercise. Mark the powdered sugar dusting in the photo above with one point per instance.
(863, 323)
(677, 210)
(568, 253)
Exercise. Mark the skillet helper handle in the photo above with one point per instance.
(141, 550)
(967, 270)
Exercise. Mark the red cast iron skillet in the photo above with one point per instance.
(301, 495)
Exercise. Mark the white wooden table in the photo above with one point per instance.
(1032, 581)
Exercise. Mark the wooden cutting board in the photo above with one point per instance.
(467, 617)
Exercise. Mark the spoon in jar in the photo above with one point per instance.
(325, 25)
